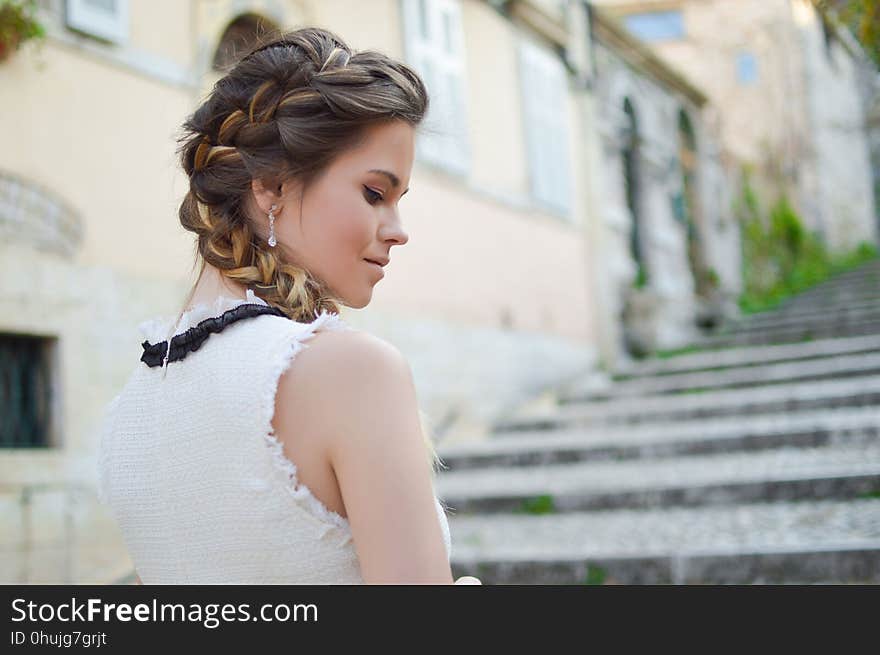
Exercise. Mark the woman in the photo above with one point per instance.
(220, 460)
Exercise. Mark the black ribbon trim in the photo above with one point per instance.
(194, 337)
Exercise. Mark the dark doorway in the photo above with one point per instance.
(632, 184)
(687, 155)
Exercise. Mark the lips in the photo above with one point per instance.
(378, 262)
(376, 266)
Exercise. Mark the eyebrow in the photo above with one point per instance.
(395, 181)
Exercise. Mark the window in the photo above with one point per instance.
(25, 391)
(656, 25)
(105, 19)
(238, 38)
(544, 92)
(435, 49)
(746, 68)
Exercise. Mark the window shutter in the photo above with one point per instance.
(435, 49)
(544, 94)
(105, 19)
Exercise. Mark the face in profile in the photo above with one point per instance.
(349, 214)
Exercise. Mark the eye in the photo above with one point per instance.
(372, 196)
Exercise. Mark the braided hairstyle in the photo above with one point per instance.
(284, 112)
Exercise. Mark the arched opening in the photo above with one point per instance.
(687, 155)
(239, 37)
(632, 187)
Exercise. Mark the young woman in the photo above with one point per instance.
(221, 460)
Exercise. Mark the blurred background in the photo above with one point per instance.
(639, 298)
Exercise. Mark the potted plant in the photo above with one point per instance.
(17, 25)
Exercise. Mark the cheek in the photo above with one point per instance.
(345, 234)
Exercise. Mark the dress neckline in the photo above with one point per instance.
(159, 328)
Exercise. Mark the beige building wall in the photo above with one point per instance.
(800, 124)
(840, 194)
(88, 187)
(716, 31)
(491, 300)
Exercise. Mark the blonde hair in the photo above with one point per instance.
(435, 462)
(284, 111)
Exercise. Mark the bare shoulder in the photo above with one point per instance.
(344, 360)
(333, 353)
(334, 375)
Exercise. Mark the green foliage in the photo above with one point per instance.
(641, 280)
(595, 575)
(675, 352)
(538, 505)
(862, 17)
(712, 278)
(780, 256)
(17, 23)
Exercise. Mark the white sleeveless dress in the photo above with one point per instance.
(198, 484)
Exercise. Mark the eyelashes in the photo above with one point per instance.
(372, 196)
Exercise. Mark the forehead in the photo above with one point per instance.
(388, 147)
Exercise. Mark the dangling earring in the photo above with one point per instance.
(272, 240)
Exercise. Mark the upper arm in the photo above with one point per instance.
(361, 392)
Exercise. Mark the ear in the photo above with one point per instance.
(266, 197)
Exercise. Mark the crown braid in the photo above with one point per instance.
(284, 112)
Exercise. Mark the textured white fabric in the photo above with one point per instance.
(198, 484)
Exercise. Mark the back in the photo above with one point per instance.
(192, 472)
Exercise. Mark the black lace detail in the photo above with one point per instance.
(194, 337)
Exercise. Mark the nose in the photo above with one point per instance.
(394, 231)
(401, 237)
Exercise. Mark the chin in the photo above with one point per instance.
(360, 302)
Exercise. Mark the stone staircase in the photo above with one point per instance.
(753, 458)
(847, 305)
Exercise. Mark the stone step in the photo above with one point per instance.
(750, 355)
(836, 315)
(790, 473)
(854, 392)
(804, 314)
(864, 275)
(761, 543)
(865, 269)
(865, 280)
(865, 283)
(814, 304)
(805, 332)
(757, 432)
(820, 368)
(836, 302)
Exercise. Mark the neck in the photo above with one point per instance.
(211, 284)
